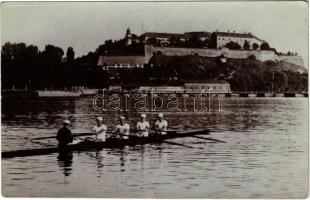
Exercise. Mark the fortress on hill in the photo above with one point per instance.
(216, 39)
(225, 44)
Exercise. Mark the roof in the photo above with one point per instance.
(161, 86)
(259, 39)
(177, 35)
(121, 60)
(162, 35)
(233, 34)
(240, 35)
(198, 33)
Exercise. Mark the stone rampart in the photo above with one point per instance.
(238, 54)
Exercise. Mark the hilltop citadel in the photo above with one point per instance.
(226, 44)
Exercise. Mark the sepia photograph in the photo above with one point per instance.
(160, 100)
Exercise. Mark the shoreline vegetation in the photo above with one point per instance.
(24, 67)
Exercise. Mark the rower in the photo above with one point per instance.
(64, 135)
(122, 129)
(161, 125)
(100, 130)
(143, 126)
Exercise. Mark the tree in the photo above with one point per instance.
(246, 45)
(172, 40)
(255, 46)
(213, 41)
(20, 51)
(264, 46)
(206, 43)
(51, 60)
(252, 57)
(279, 81)
(18, 64)
(233, 45)
(53, 53)
(70, 54)
(152, 41)
(194, 42)
(178, 42)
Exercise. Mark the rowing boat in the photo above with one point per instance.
(109, 143)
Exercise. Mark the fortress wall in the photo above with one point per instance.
(259, 54)
(238, 54)
(168, 51)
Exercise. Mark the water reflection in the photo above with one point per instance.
(265, 140)
(123, 159)
(65, 161)
(100, 159)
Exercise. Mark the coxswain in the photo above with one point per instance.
(64, 135)
(143, 127)
(122, 129)
(161, 125)
(100, 130)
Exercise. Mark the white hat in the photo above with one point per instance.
(99, 118)
(143, 115)
(160, 115)
(66, 122)
(122, 117)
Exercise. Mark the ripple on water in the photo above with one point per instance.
(265, 140)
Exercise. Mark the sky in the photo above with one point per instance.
(86, 25)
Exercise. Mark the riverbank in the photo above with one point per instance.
(27, 94)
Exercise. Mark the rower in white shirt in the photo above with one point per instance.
(161, 125)
(122, 129)
(143, 127)
(100, 130)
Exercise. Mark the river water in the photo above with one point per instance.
(265, 154)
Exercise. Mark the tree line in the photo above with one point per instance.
(26, 67)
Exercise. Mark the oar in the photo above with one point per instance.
(40, 143)
(178, 144)
(167, 131)
(208, 139)
(84, 134)
(73, 135)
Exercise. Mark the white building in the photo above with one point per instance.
(121, 62)
(162, 38)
